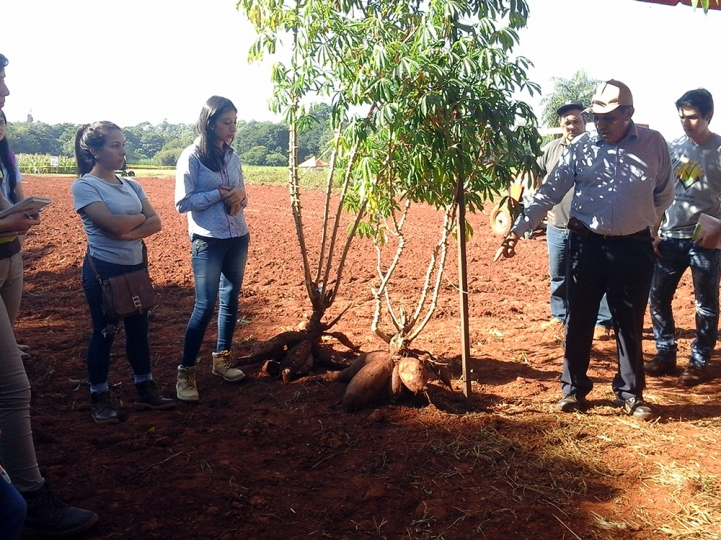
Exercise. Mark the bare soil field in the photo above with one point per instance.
(267, 460)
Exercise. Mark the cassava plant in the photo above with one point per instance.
(446, 121)
(446, 125)
(314, 32)
(433, 82)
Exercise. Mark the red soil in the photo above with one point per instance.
(268, 460)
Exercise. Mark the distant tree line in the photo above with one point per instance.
(257, 143)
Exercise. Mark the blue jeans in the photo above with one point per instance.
(676, 256)
(137, 346)
(557, 240)
(218, 268)
(12, 511)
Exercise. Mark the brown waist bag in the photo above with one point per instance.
(127, 294)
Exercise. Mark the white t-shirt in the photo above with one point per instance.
(697, 170)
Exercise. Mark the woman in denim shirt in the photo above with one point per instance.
(209, 188)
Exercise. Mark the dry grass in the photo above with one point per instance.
(691, 498)
(695, 497)
(563, 460)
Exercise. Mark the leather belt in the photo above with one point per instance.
(578, 228)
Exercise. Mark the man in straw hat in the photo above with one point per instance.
(572, 124)
(622, 182)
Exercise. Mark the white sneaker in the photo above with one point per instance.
(186, 388)
(222, 367)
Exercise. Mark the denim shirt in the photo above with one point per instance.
(197, 193)
(5, 177)
(618, 188)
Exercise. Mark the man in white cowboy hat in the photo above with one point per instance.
(622, 182)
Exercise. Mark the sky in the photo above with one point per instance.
(130, 61)
(659, 51)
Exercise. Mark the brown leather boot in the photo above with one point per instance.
(150, 399)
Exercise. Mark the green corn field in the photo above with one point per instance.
(41, 164)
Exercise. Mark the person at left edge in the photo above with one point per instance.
(622, 181)
(116, 216)
(40, 512)
(12, 190)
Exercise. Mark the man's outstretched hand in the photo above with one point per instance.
(508, 247)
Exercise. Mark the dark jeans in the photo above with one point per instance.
(12, 511)
(622, 268)
(137, 347)
(218, 268)
(676, 256)
(557, 240)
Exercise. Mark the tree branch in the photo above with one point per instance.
(326, 206)
(447, 227)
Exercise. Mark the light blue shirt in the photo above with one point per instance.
(197, 193)
(125, 198)
(619, 188)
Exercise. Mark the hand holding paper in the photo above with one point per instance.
(708, 232)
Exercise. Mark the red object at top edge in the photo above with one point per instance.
(711, 5)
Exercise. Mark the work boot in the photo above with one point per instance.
(636, 407)
(694, 375)
(660, 365)
(222, 367)
(102, 411)
(149, 398)
(48, 515)
(186, 388)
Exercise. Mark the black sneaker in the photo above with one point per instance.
(48, 515)
(149, 398)
(572, 403)
(102, 411)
